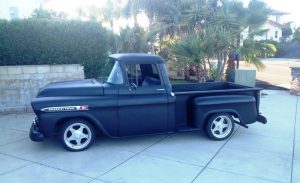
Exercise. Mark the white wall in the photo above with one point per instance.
(276, 18)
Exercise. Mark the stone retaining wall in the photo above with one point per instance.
(20, 84)
(295, 83)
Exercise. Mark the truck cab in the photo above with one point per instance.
(145, 96)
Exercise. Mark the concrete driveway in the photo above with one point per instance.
(260, 154)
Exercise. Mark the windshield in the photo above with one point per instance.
(115, 76)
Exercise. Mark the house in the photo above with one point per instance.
(273, 31)
(273, 26)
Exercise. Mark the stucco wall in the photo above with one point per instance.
(20, 84)
(242, 76)
(295, 83)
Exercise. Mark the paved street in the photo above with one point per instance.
(261, 154)
(277, 71)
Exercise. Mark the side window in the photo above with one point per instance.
(143, 75)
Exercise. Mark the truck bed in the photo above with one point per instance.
(185, 93)
(210, 87)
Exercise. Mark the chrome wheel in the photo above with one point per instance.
(221, 126)
(77, 136)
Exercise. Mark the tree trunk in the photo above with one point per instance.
(211, 69)
(135, 20)
(222, 66)
(151, 20)
(225, 57)
(111, 23)
(198, 74)
(187, 73)
(219, 66)
(230, 63)
(204, 66)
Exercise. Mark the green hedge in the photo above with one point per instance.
(42, 41)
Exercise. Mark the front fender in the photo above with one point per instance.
(49, 121)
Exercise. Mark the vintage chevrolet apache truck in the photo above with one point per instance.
(137, 99)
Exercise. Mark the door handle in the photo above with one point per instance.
(160, 89)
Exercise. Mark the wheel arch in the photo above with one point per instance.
(209, 114)
(94, 122)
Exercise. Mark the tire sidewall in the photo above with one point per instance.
(70, 122)
(210, 123)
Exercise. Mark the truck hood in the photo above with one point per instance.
(86, 87)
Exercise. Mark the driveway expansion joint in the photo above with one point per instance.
(163, 138)
(295, 123)
(39, 163)
(260, 178)
(12, 142)
(214, 155)
(168, 159)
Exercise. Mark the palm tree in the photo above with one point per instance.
(225, 20)
(251, 18)
(296, 35)
(235, 18)
(150, 8)
(111, 12)
(202, 30)
(132, 40)
(252, 50)
(190, 51)
(257, 14)
(131, 9)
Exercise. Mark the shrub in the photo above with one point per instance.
(48, 41)
(276, 44)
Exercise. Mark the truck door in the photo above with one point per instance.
(143, 103)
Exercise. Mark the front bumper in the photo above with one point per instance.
(35, 134)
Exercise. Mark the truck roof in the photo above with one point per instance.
(137, 57)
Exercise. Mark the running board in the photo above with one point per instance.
(245, 126)
(189, 129)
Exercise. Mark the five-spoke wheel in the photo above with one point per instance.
(220, 126)
(77, 134)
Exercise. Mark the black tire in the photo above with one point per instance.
(77, 134)
(220, 131)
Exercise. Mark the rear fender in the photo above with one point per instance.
(240, 106)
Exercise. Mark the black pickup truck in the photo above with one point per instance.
(137, 99)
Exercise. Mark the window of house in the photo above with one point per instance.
(142, 74)
(276, 34)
